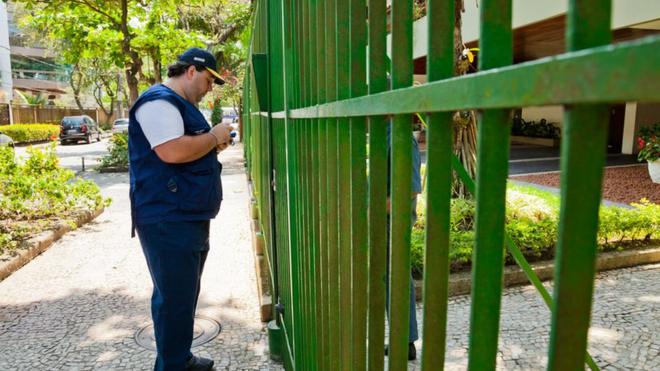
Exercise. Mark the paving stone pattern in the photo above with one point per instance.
(78, 305)
(624, 334)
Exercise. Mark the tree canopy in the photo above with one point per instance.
(136, 37)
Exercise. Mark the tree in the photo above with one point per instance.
(228, 23)
(464, 122)
(122, 33)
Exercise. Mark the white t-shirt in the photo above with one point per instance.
(160, 121)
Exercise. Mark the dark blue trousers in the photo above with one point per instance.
(413, 332)
(175, 253)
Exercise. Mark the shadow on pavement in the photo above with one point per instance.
(94, 329)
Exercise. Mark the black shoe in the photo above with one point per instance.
(199, 364)
(412, 351)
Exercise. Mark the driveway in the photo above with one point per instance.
(529, 159)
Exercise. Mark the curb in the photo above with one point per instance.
(261, 265)
(112, 169)
(461, 283)
(41, 242)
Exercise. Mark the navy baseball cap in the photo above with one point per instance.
(201, 57)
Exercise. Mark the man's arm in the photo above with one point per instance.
(189, 148)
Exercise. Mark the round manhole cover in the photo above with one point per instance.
(204, 330)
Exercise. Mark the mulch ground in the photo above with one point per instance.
(621, 184)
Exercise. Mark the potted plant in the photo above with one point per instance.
(648, 141)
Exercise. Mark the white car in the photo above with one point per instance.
(6, 140)
(120, 126)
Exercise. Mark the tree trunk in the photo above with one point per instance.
(134, 65)
(99, 101)
(465, 122)
(158, 66)
(76, 86)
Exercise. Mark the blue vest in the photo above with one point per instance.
(160, 191)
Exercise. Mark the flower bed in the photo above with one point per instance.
(37, 194)
(532, 220)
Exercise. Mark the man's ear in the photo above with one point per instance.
(190, 72)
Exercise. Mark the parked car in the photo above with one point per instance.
(6, 140)
(75, 128)
(120, 126)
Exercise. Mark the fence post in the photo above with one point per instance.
(11, 113)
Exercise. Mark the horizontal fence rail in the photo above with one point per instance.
(322, 95)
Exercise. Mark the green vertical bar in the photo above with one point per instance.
(297, 251)
(439, 65)
(401, 191)
(314, 184)
(286, 285)
(344, 184)
(377, 188)
(292, 181)
(323, 189)
(496, 44)
(301, 354)
(583, 156)
(358, 186)
(332, 225)
(276, 64)
(305, 180)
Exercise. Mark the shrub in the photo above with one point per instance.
(118, 152)
(27, 133)
(106, 126)
(532, 218)
(541, 129)
(641, 223)
(37, 193)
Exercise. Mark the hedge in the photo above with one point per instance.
(27, 133)
(532, 217)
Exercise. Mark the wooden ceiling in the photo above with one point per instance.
(546, 38)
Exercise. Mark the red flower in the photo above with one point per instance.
(640, 142)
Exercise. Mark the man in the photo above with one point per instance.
(416, 183)
(175, 191)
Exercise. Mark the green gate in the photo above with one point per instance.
(320, 89)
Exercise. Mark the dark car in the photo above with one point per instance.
(75, 128)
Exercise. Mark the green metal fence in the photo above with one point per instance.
(317, 83)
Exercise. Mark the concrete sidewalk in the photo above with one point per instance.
(79, 305)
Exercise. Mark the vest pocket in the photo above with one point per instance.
(199, 190)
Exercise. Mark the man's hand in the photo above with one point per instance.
(222, 134)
